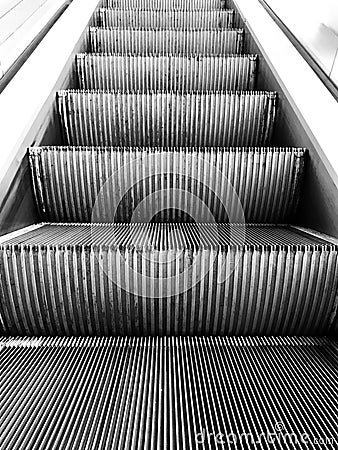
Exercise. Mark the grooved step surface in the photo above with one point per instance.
(121, 18)
(168, 236)
(182, 42)
(170, 279)
(164, 5)
(76, 394)
(167, 72)
(79, 184)
(167, 119)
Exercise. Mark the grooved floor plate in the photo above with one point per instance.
(167, 72)
(182, 42)
(204, 19)
(107, 118)
(77, 184)
(164, 5)
(183, 279)
(103, 394)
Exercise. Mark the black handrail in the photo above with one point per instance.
(315, 66)
(21, 59)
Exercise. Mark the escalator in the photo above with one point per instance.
(168, 297)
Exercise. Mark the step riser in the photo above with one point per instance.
(266, 181)
(170, 20)
(164, 5)
(65, 292)
(166, 73)
(202, 42)
(3, 326)
(151, 119)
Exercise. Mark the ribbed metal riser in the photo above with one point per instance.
(183, 42)
(159, 5)
(71, 291)
(170, 19)
(68, 180)
(167, 73)
(173, 394)
(167, 119)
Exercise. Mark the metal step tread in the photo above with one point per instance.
(167, 118)
(172, 393)
(171, 236)
(152, 19)
(167, 279)
(166, 72)
(164, 5)
(264, 182)
(204, 42)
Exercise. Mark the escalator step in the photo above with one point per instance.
(166, 72)
(204, 19)
(168, 393)
(183, 42)
(164, 5)
(68, 180)
(107, 118)
(167, 279)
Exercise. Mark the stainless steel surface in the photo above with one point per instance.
(266, 180)
(167, 279)
(166, 72)
(183, 42)
(164, 5)
(97, 394)
(167, 119)
(203, 19)
(167, 236)
(315, 28)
